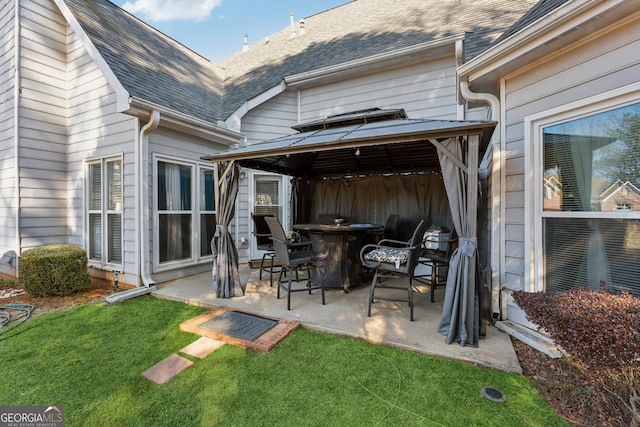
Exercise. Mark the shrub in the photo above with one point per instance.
(54, 270)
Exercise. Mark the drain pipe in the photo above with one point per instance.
(154, 120)
(142, 220)
(497, 306)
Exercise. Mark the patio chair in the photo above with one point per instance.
(263, 240)
(438, 259)
(297, 257)
(390, 230)
(392, 259)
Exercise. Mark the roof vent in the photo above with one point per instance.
(293, 28)
(245, 46)
(301, 29)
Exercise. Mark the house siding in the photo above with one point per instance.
(607, 60)
(42, 138)
(423, 90)
(96, 130)
(7, 132)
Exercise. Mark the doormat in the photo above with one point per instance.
(240, 325)
(240, 328)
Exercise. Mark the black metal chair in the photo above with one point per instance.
(391, 227)
(437, 259)
(263, 240)
(297, 257)
(391, 259)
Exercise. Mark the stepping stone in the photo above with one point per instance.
(202, 347)
(163, 371)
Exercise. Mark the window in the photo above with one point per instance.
(185, 222)
(590, 198)
(105, 211)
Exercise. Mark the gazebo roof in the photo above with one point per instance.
(360, 142)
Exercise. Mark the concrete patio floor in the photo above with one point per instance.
(346, 314)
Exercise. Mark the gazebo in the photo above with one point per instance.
(361, 144)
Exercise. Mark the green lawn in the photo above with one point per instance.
(89, 359)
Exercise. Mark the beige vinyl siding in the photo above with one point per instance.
(605, 61)
(7, 129)
(423, 90)
(43, 195)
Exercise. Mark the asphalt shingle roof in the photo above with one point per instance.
(542, 8)
(156, 68)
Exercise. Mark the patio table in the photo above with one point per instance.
(342, 268)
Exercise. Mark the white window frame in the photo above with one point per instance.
(103, 263)
(195, 212)
(534, 126)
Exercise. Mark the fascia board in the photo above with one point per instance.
(183, 123)
(561, 21)
(235, 119)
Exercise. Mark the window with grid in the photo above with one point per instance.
(105, 211)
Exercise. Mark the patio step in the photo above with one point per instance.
(532, 338)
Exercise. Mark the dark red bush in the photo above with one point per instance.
(599, 328)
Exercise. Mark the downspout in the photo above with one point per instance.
(142, 220)
(16, 130)
(494, 103)
(143, 183)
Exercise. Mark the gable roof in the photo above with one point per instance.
(155, 68)
(150, 65)
(361, 29)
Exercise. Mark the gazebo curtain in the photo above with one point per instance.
(460, 321)
(225, 274)
(372, 198)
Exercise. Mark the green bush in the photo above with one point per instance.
(53, 270)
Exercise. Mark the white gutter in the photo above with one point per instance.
(188, 124)
(16, 128)
(142, 192)
(494, 103)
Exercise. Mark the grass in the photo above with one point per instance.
(89, 359)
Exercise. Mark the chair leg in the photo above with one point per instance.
(434, 280)
(289, 292)
(271, 272)
(280, 281)
(372, 291)
(410, 300)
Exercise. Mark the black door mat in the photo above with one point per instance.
(240, 328)
(240, 325)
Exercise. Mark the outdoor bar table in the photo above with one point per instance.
(342, 268)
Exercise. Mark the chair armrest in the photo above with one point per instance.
(387, 242)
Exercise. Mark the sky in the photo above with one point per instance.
(215, 28)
